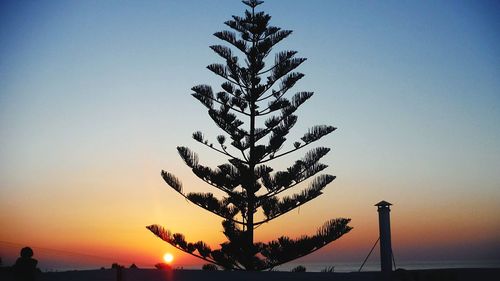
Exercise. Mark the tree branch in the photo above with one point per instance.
(224, 151)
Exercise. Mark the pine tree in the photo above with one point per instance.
(253, 188)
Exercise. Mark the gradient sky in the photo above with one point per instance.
(94, 98)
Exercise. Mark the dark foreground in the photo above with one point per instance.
(194, 275)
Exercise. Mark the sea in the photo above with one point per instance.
(375, 266)
(339, 266)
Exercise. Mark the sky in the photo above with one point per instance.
(95, 97)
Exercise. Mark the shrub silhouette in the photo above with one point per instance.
(209, 267)
(299, 268)
(256, 94)
(163, 266)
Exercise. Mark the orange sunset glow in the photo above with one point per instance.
(95, 97)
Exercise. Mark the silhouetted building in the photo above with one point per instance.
(384, 220)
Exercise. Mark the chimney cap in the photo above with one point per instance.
(383, 203)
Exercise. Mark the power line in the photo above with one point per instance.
(65, 252)
(376, 242)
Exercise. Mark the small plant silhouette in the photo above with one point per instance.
(328, 269)
(299, 268)
(209, 267)
(252, 92)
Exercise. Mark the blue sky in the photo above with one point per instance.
(93, 92)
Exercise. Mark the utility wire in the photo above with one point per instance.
(376, 242)
(393, 260)
(65, 252)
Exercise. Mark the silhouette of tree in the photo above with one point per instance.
(163, 266)
(209, 267)
(252, 92)
(116, 266)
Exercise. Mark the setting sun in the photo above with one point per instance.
(168, 257)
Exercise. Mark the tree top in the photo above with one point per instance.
(252, 3)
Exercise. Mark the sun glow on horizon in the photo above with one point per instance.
(168, 258)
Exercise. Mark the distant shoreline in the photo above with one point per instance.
(451, 274)
(339, 267)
